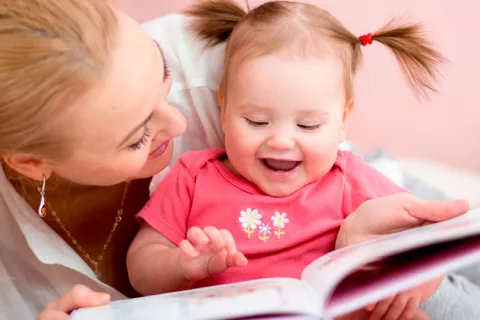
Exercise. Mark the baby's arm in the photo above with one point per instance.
(153, 263)
(165, 255)
(157, 265)
(153, 256)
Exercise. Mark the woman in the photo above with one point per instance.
(84, 117)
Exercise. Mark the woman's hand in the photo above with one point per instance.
(391, 214)
(394, 213)
(78, 297)
(405, 305)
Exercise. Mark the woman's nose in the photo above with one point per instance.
(170, 123)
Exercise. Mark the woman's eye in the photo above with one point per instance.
(256, 123)
(143, 140)
(308, 127)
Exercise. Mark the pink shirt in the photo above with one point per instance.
(279, 236)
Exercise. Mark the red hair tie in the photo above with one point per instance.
(366, 39)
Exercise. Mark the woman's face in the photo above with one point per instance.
(124, 128)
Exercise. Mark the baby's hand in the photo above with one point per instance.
(207, 252)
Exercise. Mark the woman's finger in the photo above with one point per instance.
(397, 307)
(431, 210)
(381, 309)
(53, 315)
(410, 309)
(78, 297)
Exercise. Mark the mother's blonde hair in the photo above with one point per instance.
(276, 25)
(51, 53)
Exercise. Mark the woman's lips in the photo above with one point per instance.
(158, 151)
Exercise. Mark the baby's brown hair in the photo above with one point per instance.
(278, 25)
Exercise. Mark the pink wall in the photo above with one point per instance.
(445, 128)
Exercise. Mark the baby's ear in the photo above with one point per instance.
(346, 116)
(222, 105)
(347, 111)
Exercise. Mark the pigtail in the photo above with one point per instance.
(214, 20)
(419, 60)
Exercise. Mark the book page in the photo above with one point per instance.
(443, 250)
(251, 298)
(389, 276)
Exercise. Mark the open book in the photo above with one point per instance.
(335, 284)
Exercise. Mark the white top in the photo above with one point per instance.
(36, 265)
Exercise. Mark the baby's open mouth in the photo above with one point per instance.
(281, 165)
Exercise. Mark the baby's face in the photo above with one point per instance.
(284, 119)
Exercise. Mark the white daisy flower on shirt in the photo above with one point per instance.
(279, 219)
(250, 218)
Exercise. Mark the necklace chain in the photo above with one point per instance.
(93, 263)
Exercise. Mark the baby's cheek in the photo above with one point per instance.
(240, 144)
(319, 161)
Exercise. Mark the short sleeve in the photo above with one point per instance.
(168, 209)
(363, 182)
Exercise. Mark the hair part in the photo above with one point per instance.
(283, 25)
(52, 53)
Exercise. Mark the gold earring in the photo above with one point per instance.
(42, 209)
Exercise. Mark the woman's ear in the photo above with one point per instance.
(28, 165)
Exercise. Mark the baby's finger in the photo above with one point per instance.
(239, 259)
(216, 239)
(229, 241)
(197, 237)
(410, 309)
(188, 249)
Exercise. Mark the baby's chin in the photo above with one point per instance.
(279, 191)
